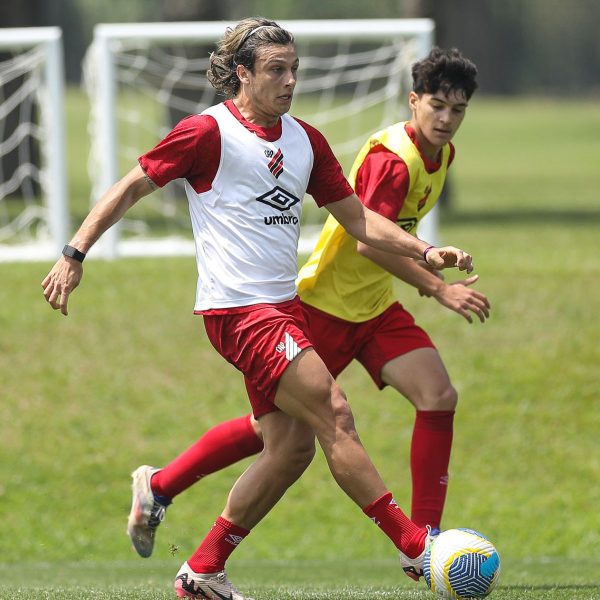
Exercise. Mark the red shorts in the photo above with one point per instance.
(373, 343)
(261, 343)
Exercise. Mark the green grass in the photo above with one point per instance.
(129, 378)
(283, 580)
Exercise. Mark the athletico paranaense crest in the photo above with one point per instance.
(276, 164)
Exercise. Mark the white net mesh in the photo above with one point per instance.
(23, 216)
(33, 206)
(348, 86)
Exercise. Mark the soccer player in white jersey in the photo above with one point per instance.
(246, 165)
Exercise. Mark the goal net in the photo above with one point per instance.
(354, 78)
(33, 200)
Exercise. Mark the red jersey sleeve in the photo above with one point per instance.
(191, 150)
(382, 182)
(327, 182)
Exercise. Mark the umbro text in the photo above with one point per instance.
(281, 220)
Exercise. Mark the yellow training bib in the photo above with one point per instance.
(336, 278)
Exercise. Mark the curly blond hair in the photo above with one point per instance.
(239, 47)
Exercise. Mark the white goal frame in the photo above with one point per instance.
(52, 143)
(109, 36)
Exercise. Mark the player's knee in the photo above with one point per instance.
(320, 392)
(332, 416)
(442, 399)
(294, 457)
(302, 456)
(344, 419)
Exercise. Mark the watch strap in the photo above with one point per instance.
(72, 252)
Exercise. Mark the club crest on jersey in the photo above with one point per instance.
(423, 200)
(276, 163)
(278, 198)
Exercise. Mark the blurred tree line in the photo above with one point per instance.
(520, 46)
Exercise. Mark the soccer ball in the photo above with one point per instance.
(461, 563)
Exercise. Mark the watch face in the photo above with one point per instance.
(73, 253)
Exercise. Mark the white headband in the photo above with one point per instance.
(256, 29)
(252, 32)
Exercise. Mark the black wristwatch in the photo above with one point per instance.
(73, 253)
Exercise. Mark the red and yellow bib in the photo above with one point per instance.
(336, 278)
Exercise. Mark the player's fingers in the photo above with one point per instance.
(465, 313)
(52, 296)
(435, 258)
(63, 303)
(470, 280)
(483, 298)
(47, 292)
(465, 262)
(479, 309)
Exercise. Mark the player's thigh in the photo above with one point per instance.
(308, 392)
(420, 376)
(285, 436)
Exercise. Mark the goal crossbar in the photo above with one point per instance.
(317, 29)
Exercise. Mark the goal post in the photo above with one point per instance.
(353, 79)
(33, 182)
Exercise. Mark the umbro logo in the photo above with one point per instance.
(278, 198)
(234, 540)
(276, 164)
(289, 345)
(407, 224)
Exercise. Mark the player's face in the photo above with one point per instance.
(268, 90)
(436, 118)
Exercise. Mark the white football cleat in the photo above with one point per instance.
(146, 512)
(413, 567)
(206, 586)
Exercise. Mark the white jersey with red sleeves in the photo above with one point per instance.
(246, 226)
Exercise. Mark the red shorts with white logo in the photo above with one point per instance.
(373, 343)
(260, 342)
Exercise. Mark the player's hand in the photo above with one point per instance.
(460, 298)
(61, 281)
(433, 271)
(449, 256)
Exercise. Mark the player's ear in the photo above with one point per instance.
(413, 99)
(242, 74)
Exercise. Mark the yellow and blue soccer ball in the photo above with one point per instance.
(461, 564)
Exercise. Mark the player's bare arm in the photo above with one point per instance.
(371, 228)
(456, 296)
(67, 272)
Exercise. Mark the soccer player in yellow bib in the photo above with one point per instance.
(346, 289)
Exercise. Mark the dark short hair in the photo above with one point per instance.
(445, 70)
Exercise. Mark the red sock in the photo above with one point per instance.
(219, 447)
(429, 460)
(386, 514)
(221, 541)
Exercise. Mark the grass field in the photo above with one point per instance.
(129, 378)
